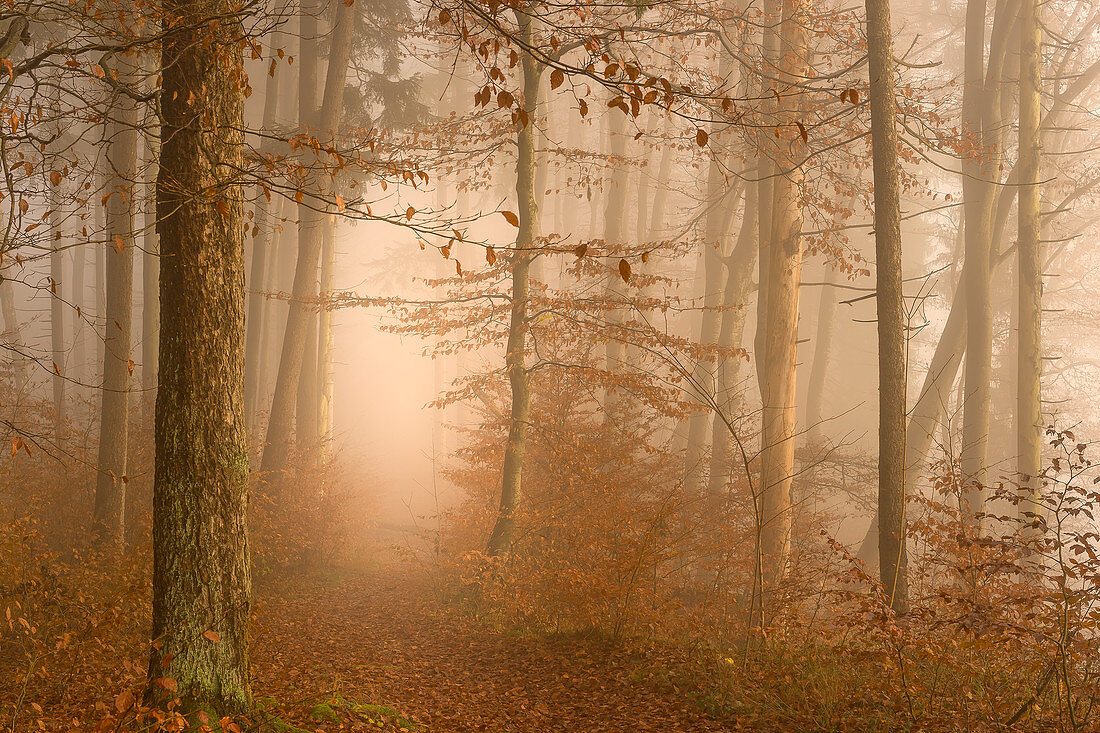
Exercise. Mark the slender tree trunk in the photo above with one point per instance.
(819, 368)
(100, 274)
(742, 262)
(262, 261)
(891, 308)
(500, 540)
(784, 272)
(614, 235)
(14, 332)
(310, 233)
(57, 315)
(150, 274)
(118, 366)
(719, 206)
(1029, 420)
(201, 569)
(78, 367)
(326, 336)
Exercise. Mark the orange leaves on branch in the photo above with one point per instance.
(490, 256)
(445, 250)
(409, 213)
(701, 137)
(511, 218)
(504, 99)
(340, 205)
(850, 95)
(580, 250)
(55, 178)
(624, 270)
(129, 366)
(802, 131)
(444, 17)
(557, 78)
(16, 443)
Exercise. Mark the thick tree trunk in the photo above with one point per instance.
(500, 540)
(118, 366)
(892, 320)
(310, 232)
(201, 569)
(1029, 420)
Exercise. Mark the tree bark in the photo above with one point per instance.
(201, 569)
(500, 540)
(1029, 420)
(150, 277)
(783, 271)
(819, 368)
(110, 495)
(892, 319)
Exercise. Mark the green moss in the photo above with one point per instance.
(323, 713)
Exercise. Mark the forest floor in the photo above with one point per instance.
(377, 648)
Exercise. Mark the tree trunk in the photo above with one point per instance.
(262, 261)
(1029, 420)
(118, 367)
(500, 540)
(783, 271)
(201, 569)
(310, 232)
(326, 337)
(78, 365)
(57, 316)
(150, 276)
(892, 319)
(819, 368)
(614, 235)
(742, 262)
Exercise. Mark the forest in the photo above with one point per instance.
(525, 366)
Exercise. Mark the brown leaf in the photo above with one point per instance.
(167, 683)
(212, 635)
(701, 137)
(511, 218)
(580, 250)
(409, 213)
(55, 177)
(490, 256)
(624, 270)
(124, 701)
(557, 78)
(802, 131)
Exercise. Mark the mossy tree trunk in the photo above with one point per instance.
(201, 570)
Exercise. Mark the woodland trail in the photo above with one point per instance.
(380, 637)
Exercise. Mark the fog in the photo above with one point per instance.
(519, 366)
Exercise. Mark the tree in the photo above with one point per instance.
(500, 540)
(892, 321)
(1029, 264)
(311, 215)
(118, 253)
(201, 568)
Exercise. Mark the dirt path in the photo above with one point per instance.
(377, 641)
